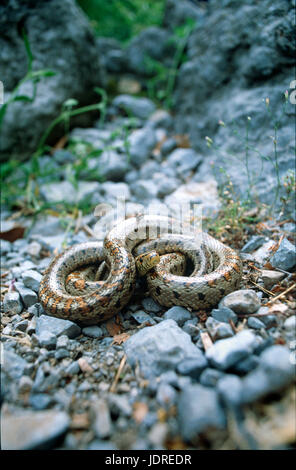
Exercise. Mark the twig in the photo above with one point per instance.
(206, 340)
(282, 294)
(88, 230)
(262, 288)
(120, 369)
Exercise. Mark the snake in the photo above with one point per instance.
(185, 269)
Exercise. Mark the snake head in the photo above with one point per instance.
(146, 261)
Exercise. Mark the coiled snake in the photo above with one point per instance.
(215, 271)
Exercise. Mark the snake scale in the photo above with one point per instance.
(215, 271)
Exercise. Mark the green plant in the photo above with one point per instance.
(162, 83)
(32, 75)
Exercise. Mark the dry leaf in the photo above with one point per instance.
(113, 326)
(13, 233)
(140, 410)
(119, 339)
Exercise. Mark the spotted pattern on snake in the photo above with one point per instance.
(216, 271)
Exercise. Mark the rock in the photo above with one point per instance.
(162, 119)
(255, 242)
(62, 341)
(152, 42)
(192, 367)
(179, 314)
(285, 256)
(47, 339)
(270, 278)
(224, 314)
(93, 331)
(183, 160)
(141, 142)
(102, 423)
(246, 365)
(111, 165)
(159, 348)
(274, 372)
(28, 296)
(119, 404)
(12, 364)
(142, 317)
(149, 304)
(218, 330)
(263, 253)
(165, 184)
(255, 323)
(12, 302)
(166, 395)
(32, 279)
(25, 384)
(158, 433)
(198, 411)
(40, 401)
(209, 377)
(56, 326)
(65, 191)
(290, 323)
(5, 247)
(177, 13)
(241, 301)
(112, 191)
(229, 388)
(227, 352)
(144, 190)
(135, 106)
(202, 193)
(33, 430)
(25, 122)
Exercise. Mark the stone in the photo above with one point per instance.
(134, 106)
(229, 388)
(141, 143)
(40, 401)
(198, 411)
(149, 304)
(28, 296)
(190, 327)
(183, 160)
(62, 341)
(12, 364)
(166, 395)
(177, 13)
(261, 256)
(47, 339)
(27, 121)
(111, 165)
(25, 384)
(5, 247)
(246, 365)
(168, 146)
(65, 191)
(255, 323)
(285, 256)
(224, 314)
(93, 331)
(144, 190)
(209, 377)
(142, 317)
(112, 191)
(57, 326)
(102, 423)
(42, 430)
(255, 242)
(241, 301)
(192, 367)
(290, 323)
(119, 404)
(165, 184)
(12, 302)
(32, 279)
(227, 352)
(270, 278)
(178, 314)
(159, 348)
(218, 330)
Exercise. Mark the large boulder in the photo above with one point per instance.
(239, 54)
(61, 40)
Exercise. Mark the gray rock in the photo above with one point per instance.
(149, 304)
(12, 364)
(80, 58)
(32, 279)
(56, 326)
(73, 368)
(275, 371)
(285, 256)
(218, 330)
(224, 314)
(229, 388)
(177, 13)
(43, 429)
(40, 401)
(112, 191)
(135, 106)
(166, 394)
(12, 302)
(65, 191)
(141, 141)
(28, 296)
(199, 410)
(142, 317)
(47, 339)
(161, 119)
(190, 327)
(61, 353)
(168, 146)
(119, 404)
(159, 348)
(62, 341)
(255, 323)
(25, 266)
(144, 190)
(255, 242)
(227, 352)
(183, 160)
(270, 278)
(102, 424)
(21, 325)
(192, 367)
(246, 365)
(209, 377)
(165, 184)
(241, 301)
(93, 331)
(263, 253)
(290, 323)
(179, 314)
(111, 165)
(25, 384)
(5, 247)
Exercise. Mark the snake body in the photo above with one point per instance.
(216, 271)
